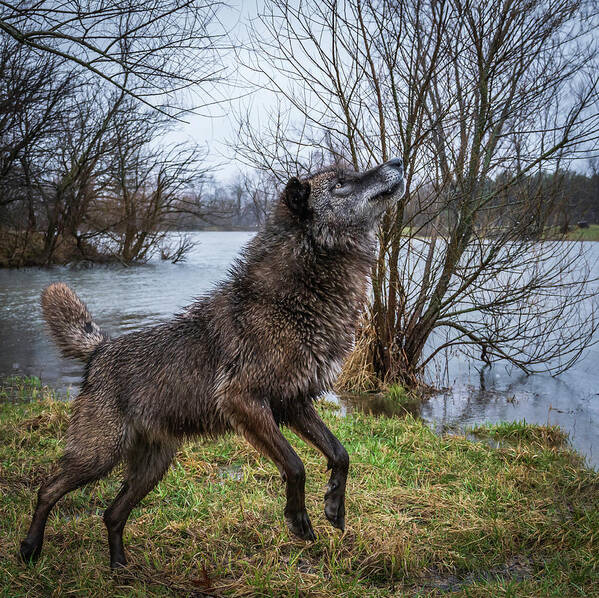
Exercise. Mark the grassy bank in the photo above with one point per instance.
(584, 234)
(426, 516)
(591, 233)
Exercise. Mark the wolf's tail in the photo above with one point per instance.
(69, 322)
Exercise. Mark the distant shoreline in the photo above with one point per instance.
(589, 234)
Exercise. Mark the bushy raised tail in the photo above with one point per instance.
(70, 323)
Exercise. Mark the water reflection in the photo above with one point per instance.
(373, 404)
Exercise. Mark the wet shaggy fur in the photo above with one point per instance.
(247, 357)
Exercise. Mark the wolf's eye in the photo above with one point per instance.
(338, 186)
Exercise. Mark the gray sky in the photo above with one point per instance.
(214, 126)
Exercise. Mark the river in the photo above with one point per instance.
(125, 299)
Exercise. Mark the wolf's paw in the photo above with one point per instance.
(118, 560)
(30, 551)
(300, 526)
(334, 509)
(118, 563)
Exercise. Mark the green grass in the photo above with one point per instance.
(584, 234)
(520, 431)
(24, 388)
(402, 397)
(576, 234)
(426, 516)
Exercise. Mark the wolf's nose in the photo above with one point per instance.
(395, 162)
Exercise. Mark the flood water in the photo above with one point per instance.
(125, 299)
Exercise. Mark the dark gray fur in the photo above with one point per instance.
(247, 357)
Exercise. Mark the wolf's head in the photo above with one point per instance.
(338, 208)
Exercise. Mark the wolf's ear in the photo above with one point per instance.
(296, 196)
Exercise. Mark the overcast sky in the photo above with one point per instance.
(214, 125)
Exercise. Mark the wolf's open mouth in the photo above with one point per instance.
(385, 195)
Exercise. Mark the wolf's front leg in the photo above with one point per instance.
(255, 421)
(308, 424)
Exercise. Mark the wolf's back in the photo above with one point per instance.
(70, 322)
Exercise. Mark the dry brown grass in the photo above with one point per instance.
(357, 374)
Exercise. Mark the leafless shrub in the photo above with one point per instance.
(176, 250)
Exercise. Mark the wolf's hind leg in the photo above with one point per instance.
(308, 424)
(147, 462)
(92, 451)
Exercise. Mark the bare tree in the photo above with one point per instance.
(69, 71)
(32, 97)
(150, 50)
(37, 93)
(145, 187)
(80, 163)
(72, 167)
(485, 103)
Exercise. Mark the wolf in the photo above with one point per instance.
(248, 357)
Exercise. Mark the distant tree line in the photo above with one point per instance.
(578, 204)
(242, 204)
(556, 202)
